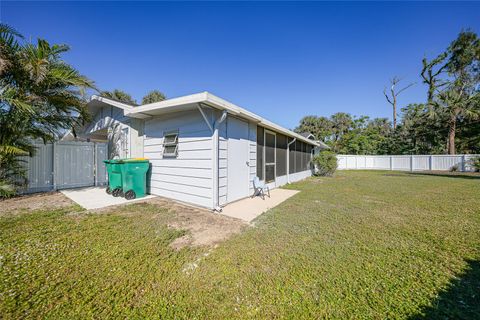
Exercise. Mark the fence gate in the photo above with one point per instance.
(66, 164)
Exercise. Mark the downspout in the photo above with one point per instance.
(215, 144)
(288, 159)
(215, 137)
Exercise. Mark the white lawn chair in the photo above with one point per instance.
(259, 188)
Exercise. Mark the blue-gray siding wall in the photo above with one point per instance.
(187, 177)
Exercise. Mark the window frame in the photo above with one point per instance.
(170, 144)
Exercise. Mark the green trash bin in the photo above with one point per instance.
(114, 177)
(134, 177)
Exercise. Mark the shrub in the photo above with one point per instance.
(12, 174)
(325, 163)
(476, 164)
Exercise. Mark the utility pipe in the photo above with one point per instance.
(216, 197)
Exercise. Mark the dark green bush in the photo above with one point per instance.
(476, 164)
(12, 174)
(325, 163)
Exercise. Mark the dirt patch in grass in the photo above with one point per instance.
(49, 200)
(203, 227)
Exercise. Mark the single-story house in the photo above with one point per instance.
(321, 145)
(203, 149)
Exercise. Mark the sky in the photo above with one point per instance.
(281, 60)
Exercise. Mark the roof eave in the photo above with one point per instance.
(112, 102)
(255, 118)
(323, 145)
(142, 112)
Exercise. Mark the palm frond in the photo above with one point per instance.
(5, 29)
(13, 150)
(9, 95)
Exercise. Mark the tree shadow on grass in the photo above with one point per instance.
(461, 300)
(457, 175)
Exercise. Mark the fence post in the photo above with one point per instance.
(463, 163)
(430, 163)
(411, 162)
(54, 175)
(391, 163)
(95, 164)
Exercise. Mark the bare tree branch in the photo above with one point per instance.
(386, 96)
(405, 88)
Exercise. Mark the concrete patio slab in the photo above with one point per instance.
(97, 198)
(250, 208)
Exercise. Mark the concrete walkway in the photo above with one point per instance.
(250, 208)
(96, 198)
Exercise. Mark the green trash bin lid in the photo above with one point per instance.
(142, 160)
(113, 161)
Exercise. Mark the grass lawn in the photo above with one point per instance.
(359, 245)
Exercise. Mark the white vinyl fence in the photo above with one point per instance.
(64, 165)
(406, 163)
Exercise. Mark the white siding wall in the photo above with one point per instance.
(105, 118)
(112, 117)
(222, 161)
(136, 138)
(188, 177)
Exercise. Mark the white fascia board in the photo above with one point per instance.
(125, 107)
(207, 98)
(167, 104)
(256, 118)
(322, 144)
(112, 102)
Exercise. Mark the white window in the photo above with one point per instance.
(170, 144)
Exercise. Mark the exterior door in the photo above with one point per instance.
(238, 156)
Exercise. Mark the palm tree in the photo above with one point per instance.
(457, 105)
(119, 95)
(40, 97)
(459, 98)
(341, 123)
(153, 96)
